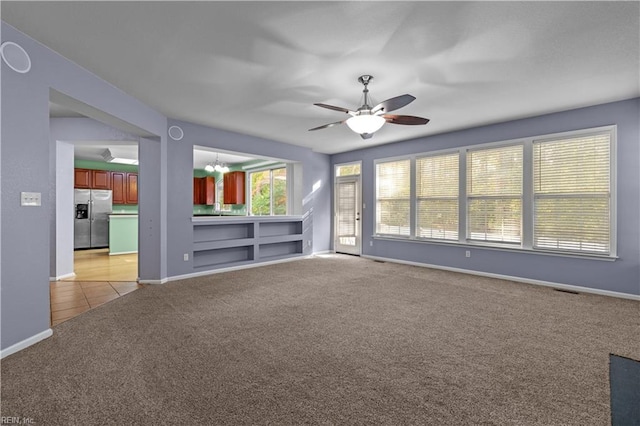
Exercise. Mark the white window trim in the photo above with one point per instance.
(412, 195)
(526, 244)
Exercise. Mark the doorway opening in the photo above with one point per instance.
(347, 206)
(94, 252)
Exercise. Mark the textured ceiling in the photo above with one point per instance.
(257, 67)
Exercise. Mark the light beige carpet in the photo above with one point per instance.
(329, 340)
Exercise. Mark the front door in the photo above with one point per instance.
(347, 215)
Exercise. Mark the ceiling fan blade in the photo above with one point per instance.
(405, 119)
(335, 108)
(393, 103)
(366, 135)
(326, 126)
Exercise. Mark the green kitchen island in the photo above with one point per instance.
(123, 233)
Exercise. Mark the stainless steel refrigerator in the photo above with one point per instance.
(92, 210)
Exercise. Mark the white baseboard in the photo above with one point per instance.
(322, 252)
(122, 252)
(512, 278)
(162, 281)
(26, 343)
(232, 268)
(62, 277)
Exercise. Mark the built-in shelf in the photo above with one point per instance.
(222, 243)
(279, 250)
(223, 256)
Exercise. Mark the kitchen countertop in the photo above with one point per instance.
(235, 219)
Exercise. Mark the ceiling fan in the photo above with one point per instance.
(367, 120)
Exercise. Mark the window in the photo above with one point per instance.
(437, 197)
(554, 193)
(494, 194)
(268, 192)
(348, 169)
(572, 193)
(393, 201)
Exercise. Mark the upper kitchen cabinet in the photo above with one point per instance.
(125, 187)
(100, 179)
(92, 179)
(131, 194)
(204, 190)
(118, 181)
(82, 178)
(234, 188)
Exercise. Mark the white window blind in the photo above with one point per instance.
(437, 197)
(346, 200)
(393, 191)
(494, 194)
(572, 193)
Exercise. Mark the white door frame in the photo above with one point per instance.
(356, 249)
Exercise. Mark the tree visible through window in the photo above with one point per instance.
(268, 192)
(494, 194)
(393, 205)
(437, 197)
(571, 180)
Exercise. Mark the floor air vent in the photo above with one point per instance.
(561, 290)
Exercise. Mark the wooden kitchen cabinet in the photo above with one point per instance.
(197, 193)
(100, 179)
(124, 187)
(234, 188)
(204, 190)
(118, 183)
(82, 178)
(131, 187)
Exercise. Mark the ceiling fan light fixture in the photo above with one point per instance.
(365, 123)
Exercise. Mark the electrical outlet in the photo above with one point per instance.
(370, 243)
(186, 257)
(467, 253)
(309, 243)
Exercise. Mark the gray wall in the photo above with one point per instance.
(180, 169)
(25, 166)
(28, 162)
(623, 275)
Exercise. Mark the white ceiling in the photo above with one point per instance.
(92, 150)
(257, 67)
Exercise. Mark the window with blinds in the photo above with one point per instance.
(393, 198)
(572, 194)
(494, 194)
(437, 187)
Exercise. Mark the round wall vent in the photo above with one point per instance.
(15, 57)
(176, 133)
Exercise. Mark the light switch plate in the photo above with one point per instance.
(30, 199)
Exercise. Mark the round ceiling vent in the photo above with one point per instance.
(176, 133)
(15, 57)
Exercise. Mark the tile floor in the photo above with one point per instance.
(71, 298)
